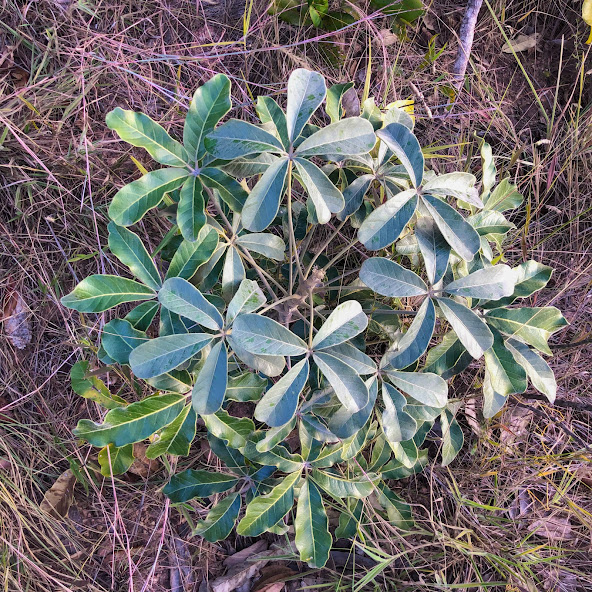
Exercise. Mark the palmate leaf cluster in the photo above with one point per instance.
(236, 308)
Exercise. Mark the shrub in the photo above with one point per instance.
(334, 356)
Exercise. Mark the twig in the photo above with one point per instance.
(562, 403)
(466, 34)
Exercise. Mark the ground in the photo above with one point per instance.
(514, 511)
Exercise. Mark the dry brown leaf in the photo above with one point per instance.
(386, 38)
(240, 557)
(351, 103)
(58, 497)
(554, 528)
(241, 574)
(521, 43)
(515, 425)
(143, 466)
(15, 319)
(273, 575)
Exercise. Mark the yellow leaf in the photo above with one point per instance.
(587, 16)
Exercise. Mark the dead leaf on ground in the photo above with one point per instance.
(15, 319)
(142, 466)
(240, 575)
(521, 43)
(351, 103)
(58, 497)
(385, 38)
(514, 425)
(240, 557)
(273, 578)
(554, 528)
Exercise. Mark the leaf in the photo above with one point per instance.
(275, 436)
(236, 138)
(190, 484)
(503, 197)
(433, 247)
(176, 438)
(429, 389)
(175, 381)
(141, 316)
(263, 203)
(265, 243)
(139, 130)
(487, 283)
(387, 222)
(266, 511)
(210, 103)
(278, 457)
(492, 401)
(233, 430)
(15, 319)
(345, 424)
(128, 248)
(348, 137)
(507, 377)
(448, 358)
(341, 487)
(163, 354)
(119, 339)
(115, 460)
(249, 166)
(58, 498)
(209, 389)
(230, 190)
(245, 387)
(134, 423)
(458, 185)
(353, 195)
(191, 255)
(531, 325)
(270, 366)
(521, 43)
(233, 273)
(279, 403)
(352, 356)
(472, 332)
(397, 115)
(191, 216)
(248, 298)
(90, 387)
(391, 279)
(349, 521)
(263, 336)
(490, 222)
(401, 141)
(335, 96)
(348, 386)
(398, 512)
(133, 200)
(452, 437)
(269, 112)
(536, 368)
(220, 519)
(183, 298)
(459, 234)
(98, 293)
(343, 324)
(327, 199)
(416, 340)
(397, 425)
(406, 453)
(306, 91)
(313, 539)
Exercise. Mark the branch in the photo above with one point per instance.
(467, 32)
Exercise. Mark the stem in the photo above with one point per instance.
(310, 331)
(323, 247)
(261, 273)
(341, 253)
(293, 249)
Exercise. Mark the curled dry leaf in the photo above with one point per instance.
(58, 498)
(522, 43)
(554, 528)
(16, 320)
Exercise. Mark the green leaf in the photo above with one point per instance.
(406, 453)
(134, 423)
(488, 168)
(345, 424)
(98, 293)
(278, 457)
(313, 539)
(416, 340)
(230, 190)
(263, 336)
(268, 365)
(353, 195)
(191, 215)
(536, 368)
(398, 115)
(531, 325)
(349, 521)
(210, 103)
(189, 484)
(404, 144)
(493, 401)
(275, 436)
(236, 138)
(452, 437)
(233, 273)
(341, 487)
(503, 197)
(133, 200)
(266, 511)
(391, 279)
(191, 255)
(175, 381)
(334, 109)
(141, 316)
(459, 234)
(233, 430)
(267, 244)
(348, 386)
(263, 203)
(278, 405)
(490, 222)
(398, 512)
(208, 392)
(507, 377)
(163, 354)
(115, 460)
(353, 357)
(128, 248)
(459, 185)
(487, 283)
(139, 130)
(245, 387)
(90, 387)
(306, 91)
(343, 324)
(387, 222)
(119, 339)
(176, 438)
(270, 113)
(347, 137)
(429, 389)
(248, 298)
(448, 358)
(471, 330)
(433, 247)
(220, 519)
(397, 425)
(249, 166)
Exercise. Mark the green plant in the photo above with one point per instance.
(307, 338)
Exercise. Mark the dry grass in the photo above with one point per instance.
(64, 65)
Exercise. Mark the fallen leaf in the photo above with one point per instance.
(58, 497)
(273, 575)
(241, 574)
(351, 103)
(385, 38)
(521, 43)
(15, 320)
(514, 425)
(143, 466)
(240, 557)
(554, 528)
